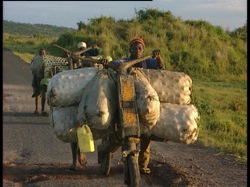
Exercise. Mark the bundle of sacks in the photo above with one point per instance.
(89, 96)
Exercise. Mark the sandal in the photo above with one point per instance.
(145, 171)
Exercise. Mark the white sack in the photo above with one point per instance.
(66, 88)
(99, 101)
(36, 66)
(177, 123)
(62, 119)
(171, 87)
(147, 100)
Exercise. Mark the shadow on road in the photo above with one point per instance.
(25, 173)
(162, 173)
(15, 118)
(22, 114)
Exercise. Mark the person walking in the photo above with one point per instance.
(94, 51)
(136, 49)
(37, 76)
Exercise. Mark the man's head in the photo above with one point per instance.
(136, 48)
(42, 52)
(82, 45)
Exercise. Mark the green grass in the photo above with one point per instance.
(222, 104)
(27, 47)
(223, 109)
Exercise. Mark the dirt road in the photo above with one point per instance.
(33, 156)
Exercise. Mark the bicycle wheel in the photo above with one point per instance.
(134, 172)
(106, 163)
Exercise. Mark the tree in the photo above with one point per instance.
(81, 25)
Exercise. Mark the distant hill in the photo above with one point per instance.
(195, 47)
(27, 29)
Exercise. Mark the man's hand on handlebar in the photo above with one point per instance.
(156, 53)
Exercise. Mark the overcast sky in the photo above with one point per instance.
(229, 14)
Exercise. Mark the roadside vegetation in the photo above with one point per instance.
(215, 59)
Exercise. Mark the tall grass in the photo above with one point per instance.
(223, 109)
(26, 46)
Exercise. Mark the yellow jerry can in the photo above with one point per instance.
(85, 139)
